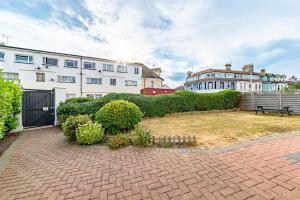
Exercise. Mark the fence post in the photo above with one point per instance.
(253, 100)
(280, 99)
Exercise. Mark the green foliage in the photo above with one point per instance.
(293, 87)
(139, 136)
(117, 141)
(66, 109)
(79, 100)
(89, 133)
(10, 98)
(119, 116)
(72, 123)
(160, 105)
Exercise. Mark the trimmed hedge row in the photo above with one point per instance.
(157, 106)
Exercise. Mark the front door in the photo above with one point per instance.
(38, 108)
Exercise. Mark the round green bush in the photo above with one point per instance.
(119, 116)
(89, 133)
(72, 123)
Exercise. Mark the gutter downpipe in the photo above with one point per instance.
(80, 77)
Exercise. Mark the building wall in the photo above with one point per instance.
(27, 74)
(147, 82)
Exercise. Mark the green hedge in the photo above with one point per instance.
(160, 105)
(10, 106)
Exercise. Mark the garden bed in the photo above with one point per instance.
(7, 141)
(217, 129)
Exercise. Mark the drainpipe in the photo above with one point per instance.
(80, 77)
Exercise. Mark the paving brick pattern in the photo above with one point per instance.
(40, 165)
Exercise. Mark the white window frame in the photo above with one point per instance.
(108, 67)
(136, 70)
(45, 59)
(75, 63)
(152, 84)
(120, 69)
(114, 81)
(89, 81)
(73, 79)
(89, 63)
(130, 83)
(40, 80)
(10, 76)
(29, 61)
(2, 58)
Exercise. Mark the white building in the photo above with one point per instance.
(68, 75)
(79, 75)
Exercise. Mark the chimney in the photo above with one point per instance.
(228, 66)
(263, 71)
(189, 73)
(248, 68)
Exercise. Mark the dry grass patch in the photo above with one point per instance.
(221, 129)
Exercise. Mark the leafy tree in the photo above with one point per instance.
(10, 106)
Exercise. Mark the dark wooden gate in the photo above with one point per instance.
(38, 108)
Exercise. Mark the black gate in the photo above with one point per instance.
(38, 108)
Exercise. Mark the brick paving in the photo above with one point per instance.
(41, 165)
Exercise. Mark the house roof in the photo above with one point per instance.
(224, 71)
(66, 54)
(148, 73)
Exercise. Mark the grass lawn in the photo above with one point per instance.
(221, 129)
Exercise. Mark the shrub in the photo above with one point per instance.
(89, 133)
(119, 116)
(72, 123)
(117, 141)
(79, 100)
(10, 98)
(67, 109)
(160, 105)
(140, 137)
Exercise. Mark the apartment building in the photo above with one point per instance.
(245, 80)
(58, 76)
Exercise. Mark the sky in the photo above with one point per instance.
(176, 35)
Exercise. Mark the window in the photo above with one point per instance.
(130, 83)
(1, 56)
(241, 86)
(24, 59)
(152, 84)
(245, 86)
(122, 69)
(256, 86)
(40, 77)
(200, 86)
(221, 85)
(94, 96)
(210, 85)
(113, 81)
(66, 79)
(232, 86)
(10, 76)
(108, 67)
(50, 61)
(97, 81)
(69, 96)
(136, 70)
(71, 63)
(89, 65)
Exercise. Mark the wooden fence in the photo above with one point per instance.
(273, 100)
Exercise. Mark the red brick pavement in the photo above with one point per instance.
(40, 165)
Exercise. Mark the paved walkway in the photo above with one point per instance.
(40, 165)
